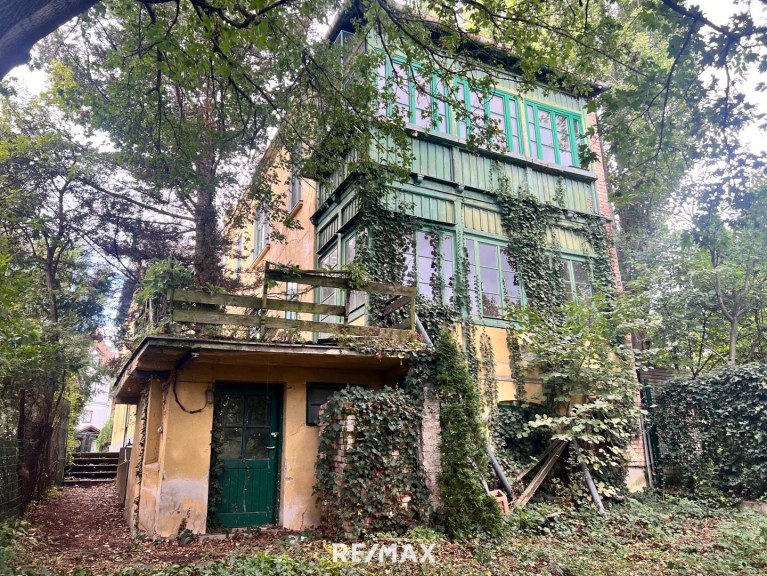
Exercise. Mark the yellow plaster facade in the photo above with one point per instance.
(172, 489)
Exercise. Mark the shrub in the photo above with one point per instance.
(467, 508)
(713, 430)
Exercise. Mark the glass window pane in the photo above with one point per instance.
(230, 410)
(460, 96)
(350, 249)
(511, 290)
(231, 445)
(490, 280)
(401, 83)
(580, 272)
(423, 244)
(258, 411)
(563, 140)
(441, 119)
(256, 441)
(566, 271)
(425, 269)
(531, 131)
(491, 305)
(488, 255)
(381, 81)
(423, 112)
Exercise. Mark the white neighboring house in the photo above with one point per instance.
(96, 411)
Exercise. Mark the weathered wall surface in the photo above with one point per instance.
(174, 486)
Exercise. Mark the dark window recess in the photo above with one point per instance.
(317, 394)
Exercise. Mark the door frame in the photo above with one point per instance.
(224, 387)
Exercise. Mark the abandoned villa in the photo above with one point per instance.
(241, 410)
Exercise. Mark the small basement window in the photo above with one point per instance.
(317, 394)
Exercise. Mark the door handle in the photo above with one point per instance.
(271, 447)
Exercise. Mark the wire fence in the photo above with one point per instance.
(10, 485)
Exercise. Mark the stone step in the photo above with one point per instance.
(92, 474)
(86, 481)
(95, 455)
(77, 468)
(94, 461)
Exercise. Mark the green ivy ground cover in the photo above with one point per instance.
(662, 537)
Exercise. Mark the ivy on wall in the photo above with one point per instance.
(713, 430)
(368, 473)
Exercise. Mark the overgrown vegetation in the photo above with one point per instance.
(467, 508)
(712, 431)
(369, 477)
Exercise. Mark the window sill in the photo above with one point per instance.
(260, 258)
(296, 209)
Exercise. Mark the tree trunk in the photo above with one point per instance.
(208, 241)
(733, 338)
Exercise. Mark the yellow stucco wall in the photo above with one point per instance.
(124, 423)
(174, 488)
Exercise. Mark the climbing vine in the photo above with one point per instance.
(369, 478)
(140, 459)
(528, 223)
(467, 508)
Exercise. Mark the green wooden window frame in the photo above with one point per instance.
(348, 252)
(568, 133)
(576, 277)
(510, 112)
(329, 260)
(317, 394)
(260, 234)
(491, 301)
(422, 253)
(440, 119)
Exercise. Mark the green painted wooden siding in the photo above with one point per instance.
(572, 241)
(326, 233)
(426, 207)
(482, 220)
(456, 165)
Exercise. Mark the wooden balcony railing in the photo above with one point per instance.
(255, 309)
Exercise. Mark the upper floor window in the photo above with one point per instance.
(498, 110)
(553, 135)
(431, 263)
(356, 298)
(416, 97)
(291, 295)
(493, 281)
(328, 261)
(294, 194)
(87, 417)
(260, 234)
(238, 248)
(576, 279)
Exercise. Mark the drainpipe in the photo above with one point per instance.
(499, 471)
(589, 480)
(422, 331)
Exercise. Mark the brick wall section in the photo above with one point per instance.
(635, 454)
(605, 208)
(429, 452)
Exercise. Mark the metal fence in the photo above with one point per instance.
(10, 486)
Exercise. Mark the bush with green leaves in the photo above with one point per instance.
(581, 355)
(713, 430)
(467, 508)
(380, 487)
(163, 276)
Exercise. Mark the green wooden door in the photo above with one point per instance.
(249, 456)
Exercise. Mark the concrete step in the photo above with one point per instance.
(86, 481)
(96, 455)
(77, 468)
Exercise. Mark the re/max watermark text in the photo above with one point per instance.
(360, 552)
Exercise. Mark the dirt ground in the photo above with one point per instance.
(85, 528)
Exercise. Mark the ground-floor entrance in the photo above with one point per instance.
(246, 453)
